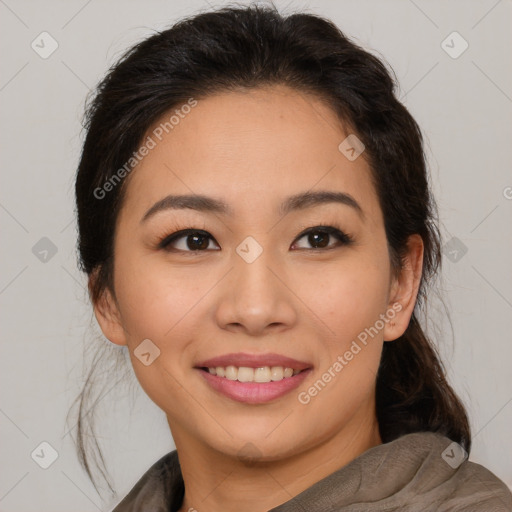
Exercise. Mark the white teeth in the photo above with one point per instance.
(276, 372)
(246, 374)
(231, 372)
(262, 374)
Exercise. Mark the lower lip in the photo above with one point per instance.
(254, 392)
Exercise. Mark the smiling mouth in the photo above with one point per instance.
(247, 374)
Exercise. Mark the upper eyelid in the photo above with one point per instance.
(188, 231)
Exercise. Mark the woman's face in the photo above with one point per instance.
(255, 285)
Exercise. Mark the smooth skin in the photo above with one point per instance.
(252, 149)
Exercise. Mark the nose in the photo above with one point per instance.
(257, 297)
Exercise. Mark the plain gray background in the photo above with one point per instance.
(463, 105)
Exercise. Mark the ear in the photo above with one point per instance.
(108, 316)
(404, 290)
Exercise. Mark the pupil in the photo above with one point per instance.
(194, 245)
(319, 240)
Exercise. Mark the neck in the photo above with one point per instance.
(218, 482)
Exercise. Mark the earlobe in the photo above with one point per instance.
(404, 290)
(108, 317)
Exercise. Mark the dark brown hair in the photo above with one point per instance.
(253, 46)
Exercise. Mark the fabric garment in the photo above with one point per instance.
(418, 472)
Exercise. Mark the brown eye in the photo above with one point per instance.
(319, 237)
(187, 240)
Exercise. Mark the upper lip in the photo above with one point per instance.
(253, 361)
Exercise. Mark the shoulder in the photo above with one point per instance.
(466, 486)
(478, 489)
(422, 471)
(160, 488)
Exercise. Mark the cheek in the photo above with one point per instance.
(349, 303)
(159, 307)
(155, 299)
(347, 298)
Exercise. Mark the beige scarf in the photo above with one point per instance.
(420, 472)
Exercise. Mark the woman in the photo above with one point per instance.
(257, 227)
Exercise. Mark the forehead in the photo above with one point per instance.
(249, 147)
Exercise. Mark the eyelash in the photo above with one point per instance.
(333, 230)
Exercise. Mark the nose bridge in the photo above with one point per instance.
(252, 272)
(255, 297)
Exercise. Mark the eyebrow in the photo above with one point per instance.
(296, 202)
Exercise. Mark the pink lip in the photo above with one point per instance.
(253, 361)
(254, 392)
